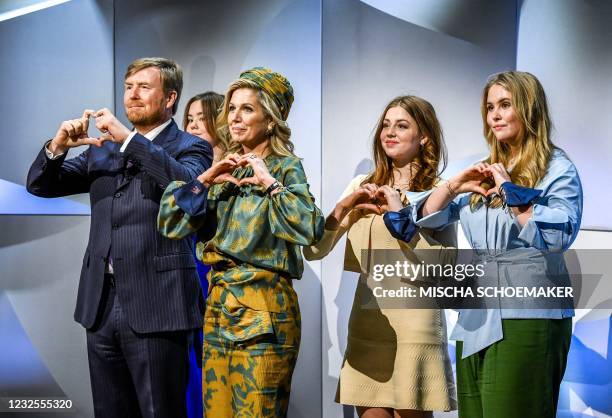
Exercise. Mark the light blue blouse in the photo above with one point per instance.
(516, 255)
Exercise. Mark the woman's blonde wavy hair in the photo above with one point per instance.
(529, 103)
(280, 142)
(431, 154)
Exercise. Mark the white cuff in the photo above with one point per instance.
(127, 141)
(50, 155)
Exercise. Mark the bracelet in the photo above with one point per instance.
(451, 193)
(503, 196)
(273, 186)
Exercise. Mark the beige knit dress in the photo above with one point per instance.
(395, 358)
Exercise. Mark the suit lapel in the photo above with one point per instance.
(167, 136)
(124, 177)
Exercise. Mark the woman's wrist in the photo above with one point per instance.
(344, 206)
(205, 178)
(340, 211)
(453, 187)
(395, 206)
(268, 181)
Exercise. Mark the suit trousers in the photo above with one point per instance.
(133, 374)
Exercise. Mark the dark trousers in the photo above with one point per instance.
(132, 374)
(518, 376)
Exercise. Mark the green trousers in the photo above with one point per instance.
(519, 376)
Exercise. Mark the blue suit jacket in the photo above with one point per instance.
(156, 279)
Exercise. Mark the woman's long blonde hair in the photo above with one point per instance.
(431, 154)
(280, 135)
(529, 102)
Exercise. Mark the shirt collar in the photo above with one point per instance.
(152, 134)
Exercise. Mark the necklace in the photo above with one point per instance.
(399, 182)
(397, 185)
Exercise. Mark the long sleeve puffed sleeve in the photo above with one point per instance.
(437, 220)
(182, 209)
(403, 224)
(293, 215)
(331, 237)
(557, 212)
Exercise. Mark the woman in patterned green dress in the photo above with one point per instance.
(252, 211)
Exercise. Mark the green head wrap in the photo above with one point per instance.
(276, 85)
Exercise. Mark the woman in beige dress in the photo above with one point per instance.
(396, 362)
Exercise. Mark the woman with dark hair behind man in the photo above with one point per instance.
(200, 119)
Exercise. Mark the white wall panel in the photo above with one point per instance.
(566, 44)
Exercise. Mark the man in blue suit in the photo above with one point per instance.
(139, 296)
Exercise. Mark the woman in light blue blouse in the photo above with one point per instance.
(519, 209)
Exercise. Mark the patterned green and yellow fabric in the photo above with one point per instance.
(275, 84)
(252, 322)
(248, 355)
(246, 224)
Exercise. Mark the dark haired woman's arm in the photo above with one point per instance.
(436, 208)
(338, 221)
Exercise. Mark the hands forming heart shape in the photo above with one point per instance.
(73, 133)
(482, 178)
(370, 198)
(499, 174)
(221, 171)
